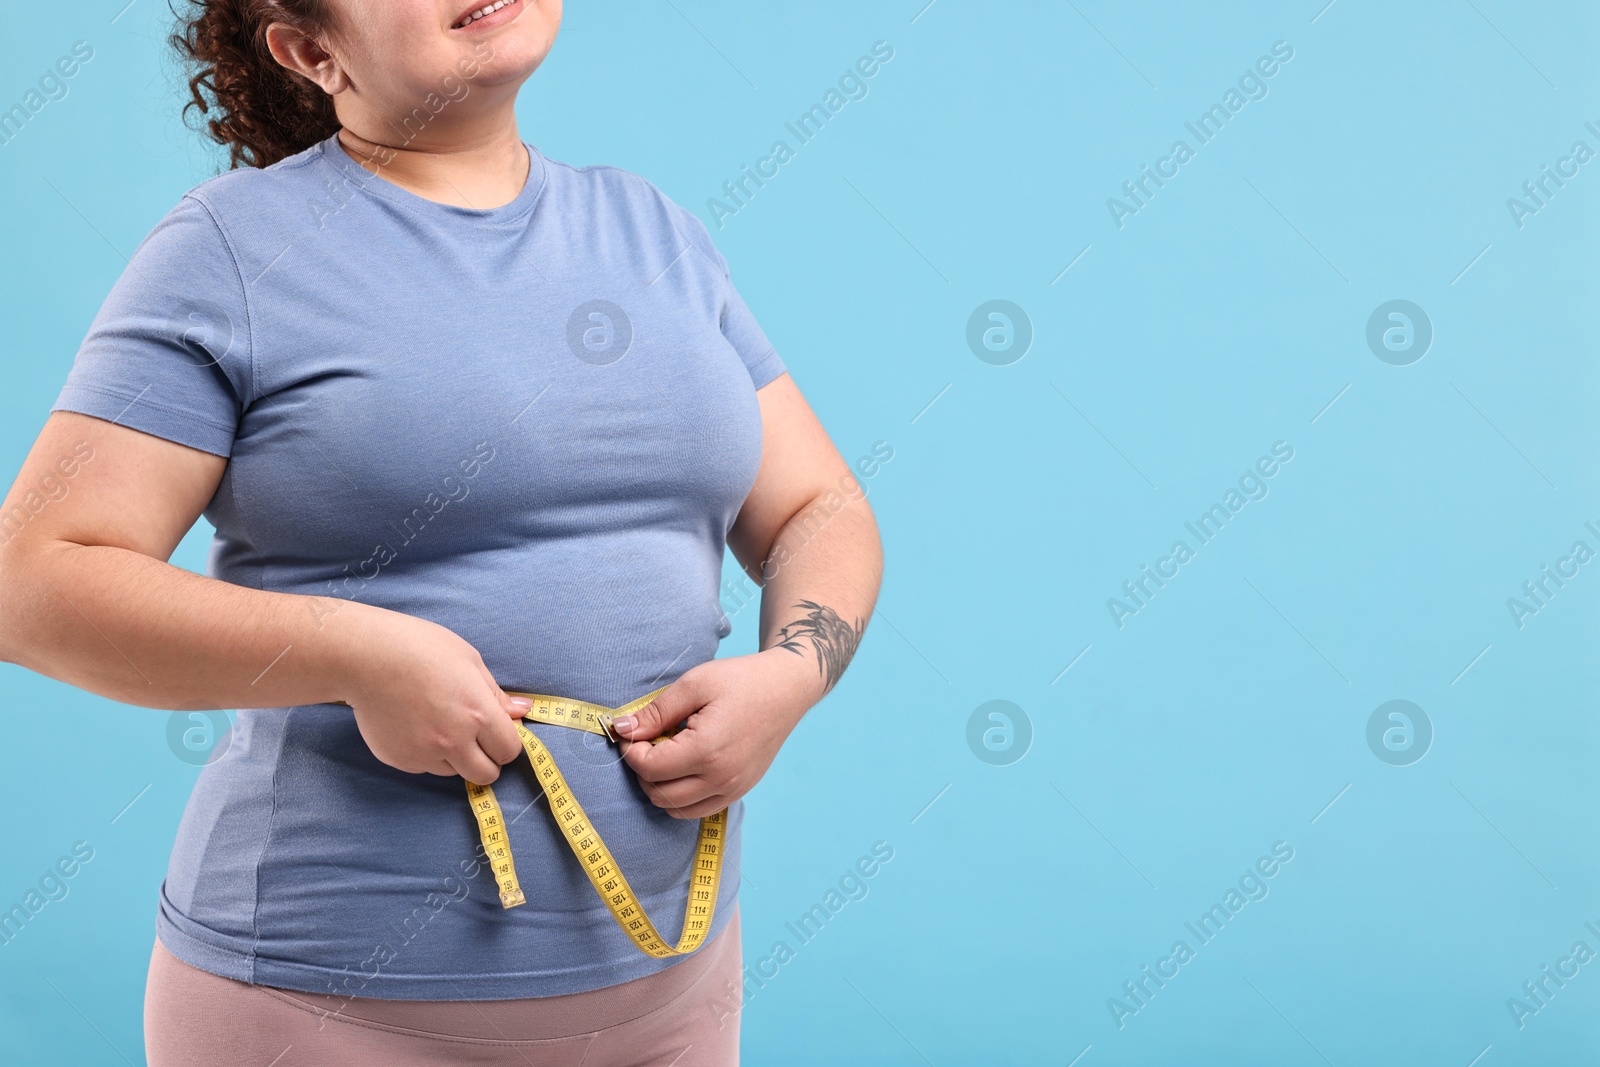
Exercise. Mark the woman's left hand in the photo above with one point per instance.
(736, 713)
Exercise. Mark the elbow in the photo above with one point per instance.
(10, 576)
(22, 565)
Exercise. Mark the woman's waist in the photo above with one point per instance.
(302, 799)
(330, 875)
(541, 1018)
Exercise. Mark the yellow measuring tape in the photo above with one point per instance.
(593, 856)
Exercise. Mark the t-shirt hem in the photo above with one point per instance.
(137, 413)
(767, 368)
(309, 978)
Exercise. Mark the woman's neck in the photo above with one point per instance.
(481, 169)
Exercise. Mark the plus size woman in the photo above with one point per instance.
(469, 422)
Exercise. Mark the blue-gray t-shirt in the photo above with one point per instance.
(533, 424)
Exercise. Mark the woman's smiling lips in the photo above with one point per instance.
(498, 12)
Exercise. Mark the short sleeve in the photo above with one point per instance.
(739, 325)
(169, 351)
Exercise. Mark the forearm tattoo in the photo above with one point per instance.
(834, 640)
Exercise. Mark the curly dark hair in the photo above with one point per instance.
(252, 104)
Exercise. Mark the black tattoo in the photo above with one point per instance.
(834, 639)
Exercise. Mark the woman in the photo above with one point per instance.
(469, 422)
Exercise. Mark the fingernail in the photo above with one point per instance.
(624, 723)
(522, 702)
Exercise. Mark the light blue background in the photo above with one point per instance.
(1223, 317)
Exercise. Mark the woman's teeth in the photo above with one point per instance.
(478, 14)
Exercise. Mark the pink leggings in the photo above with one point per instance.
(682, 1015)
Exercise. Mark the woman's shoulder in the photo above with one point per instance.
(604, 187)
(270, 202)
(603, 177)
(244, 183)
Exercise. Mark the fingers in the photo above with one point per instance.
(515, 707)
(680, 792)
(675, 704)
(675, 757)
(700, 810)
(476, 766)
(499, 739)
(685, 798)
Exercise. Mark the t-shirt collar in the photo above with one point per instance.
(361, 177)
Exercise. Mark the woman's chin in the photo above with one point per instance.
(508, 58)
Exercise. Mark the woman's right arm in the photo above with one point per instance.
(87, 597)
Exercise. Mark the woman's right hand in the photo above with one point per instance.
(426, 704)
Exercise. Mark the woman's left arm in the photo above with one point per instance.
(806, 535)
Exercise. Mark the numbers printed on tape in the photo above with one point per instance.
(585, 841)
(492, 830)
